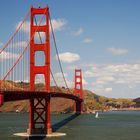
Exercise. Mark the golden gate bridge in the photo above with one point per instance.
(18, 61)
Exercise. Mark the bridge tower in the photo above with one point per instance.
(39, 111)
(1, 100)
(78, 90)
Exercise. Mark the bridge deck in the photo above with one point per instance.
(25, 95)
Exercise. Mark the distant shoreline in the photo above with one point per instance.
(113, 109)
(86, 112)
(127, 109)
(91, 112)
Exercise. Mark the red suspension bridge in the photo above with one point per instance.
(18, 61)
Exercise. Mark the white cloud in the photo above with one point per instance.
(84, 82)
(78, 32)
(105, 79)
(123, 78)
(21, 44)
(68, 57)
(117, 73)
(131, 86)
(87, 40)
(59, 75)
(108, 89)
(7, 55)
(60, 80)
(89, 74)
(58, 25)
(117, 51)
(101, 90)
(25, 27)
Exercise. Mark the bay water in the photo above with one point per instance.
(114, 125)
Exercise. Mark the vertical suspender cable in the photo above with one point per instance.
(50, 69)
(57, 52)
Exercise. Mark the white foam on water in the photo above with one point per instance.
(55, 134)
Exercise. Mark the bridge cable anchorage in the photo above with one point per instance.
(17, 30)
(50, 69)
(20, 56)
(57, 53)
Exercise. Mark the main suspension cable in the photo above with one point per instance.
(19, 27)
(21, 53)
(57, 52)
(50, 68)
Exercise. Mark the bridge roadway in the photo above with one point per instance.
(26, 95)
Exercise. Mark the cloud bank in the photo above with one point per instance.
(117, 51)
(68, 57)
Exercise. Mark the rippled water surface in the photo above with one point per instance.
(123, 125)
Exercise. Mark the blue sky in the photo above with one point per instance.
(102, 37)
